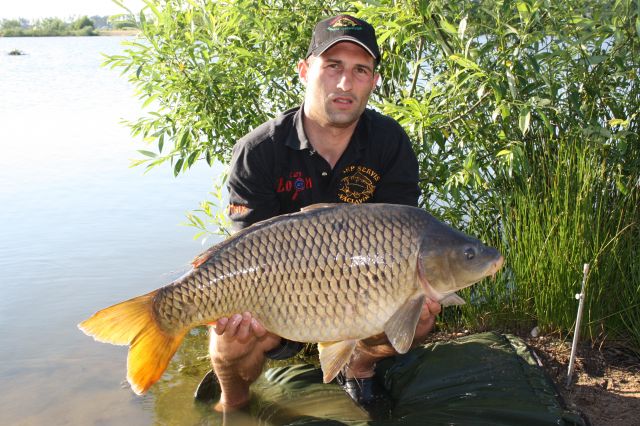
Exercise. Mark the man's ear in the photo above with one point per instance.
(303, 68)
(376, 80)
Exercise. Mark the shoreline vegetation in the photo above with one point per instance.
(117, 33)
(117, 25)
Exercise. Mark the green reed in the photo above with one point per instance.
(567, 212)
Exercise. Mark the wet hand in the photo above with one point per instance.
(239, 327)
(240, 335)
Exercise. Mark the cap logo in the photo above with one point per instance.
(344, 22)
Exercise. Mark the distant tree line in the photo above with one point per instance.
(82, 26)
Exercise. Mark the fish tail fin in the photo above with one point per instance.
(133, 323)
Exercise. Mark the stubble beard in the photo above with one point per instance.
(341, 119)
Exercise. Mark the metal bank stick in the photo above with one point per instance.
(576, 334)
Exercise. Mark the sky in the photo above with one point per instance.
(37, 9)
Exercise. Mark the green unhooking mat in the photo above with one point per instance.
(482, 379)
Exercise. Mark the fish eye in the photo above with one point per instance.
(469, 253)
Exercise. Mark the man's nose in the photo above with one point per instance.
(346, 81)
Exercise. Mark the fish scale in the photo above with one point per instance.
(332, 274)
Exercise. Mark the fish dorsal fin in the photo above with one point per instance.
(203, 257)
(318, 206)
(452, 300)
(333, 356)
(402, 325)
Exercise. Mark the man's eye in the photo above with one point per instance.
(363, 73)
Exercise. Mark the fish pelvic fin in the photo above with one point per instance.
(401, 327)
(333, 356)
(133, 323)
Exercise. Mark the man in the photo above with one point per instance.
(332, 149)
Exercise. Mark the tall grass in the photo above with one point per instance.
(566, 212)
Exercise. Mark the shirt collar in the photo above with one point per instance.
(298, 140)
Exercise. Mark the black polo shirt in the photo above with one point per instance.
(274, 169)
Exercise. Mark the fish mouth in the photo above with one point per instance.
(495, 267)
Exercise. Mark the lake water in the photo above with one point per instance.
(79, 231)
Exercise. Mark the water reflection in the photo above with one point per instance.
(284, 394)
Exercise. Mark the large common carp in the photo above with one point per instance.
(331, 274)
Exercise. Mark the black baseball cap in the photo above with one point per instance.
(343, 28)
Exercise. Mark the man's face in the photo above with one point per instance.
(338, 84)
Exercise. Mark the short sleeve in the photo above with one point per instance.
(252, 196)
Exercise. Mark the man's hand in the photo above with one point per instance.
(237, 348)
(430, 310)
(239, 336)
(240, 327)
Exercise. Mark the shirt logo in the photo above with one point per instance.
(358, 183)
(295, 183)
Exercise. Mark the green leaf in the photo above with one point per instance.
(523, 9)
(512, 30)
(464, 62)
(524, 120)
(182, 140)
(546, 122)
(148, 153)
(543, 102)
(505, 112)
(618, 122)
(152, 5)
(462, 28)
(192, 158)
(149, 100)
(512, 84)
(495, 113)
(596, 59)
(469, 161)
(448, 27)
(621, 187)
(177, 168)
